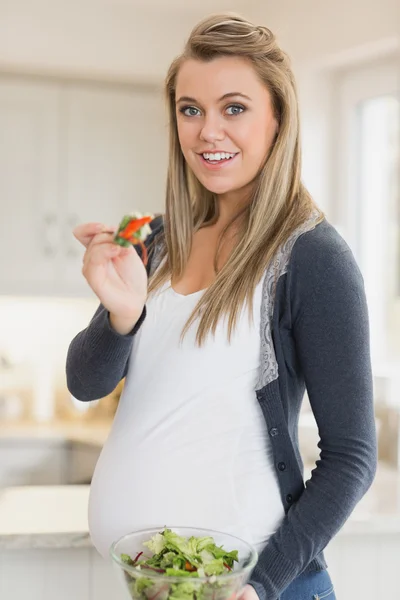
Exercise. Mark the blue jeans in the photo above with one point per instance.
(310, 586)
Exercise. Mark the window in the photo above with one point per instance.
(368, 153)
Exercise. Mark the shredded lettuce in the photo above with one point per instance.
(177, 556)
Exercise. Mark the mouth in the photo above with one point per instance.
(217, 160)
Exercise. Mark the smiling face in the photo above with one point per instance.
(223, 107)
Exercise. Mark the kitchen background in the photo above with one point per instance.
(83, 137)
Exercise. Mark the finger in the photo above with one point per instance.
(123, 251)
(101, 238)
(100, 253)
(105, 235)
(85, 232)
(248, 593)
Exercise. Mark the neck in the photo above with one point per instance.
(232, 203)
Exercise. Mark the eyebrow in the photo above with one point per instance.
(224, 97)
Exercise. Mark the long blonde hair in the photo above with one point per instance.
(279, 204)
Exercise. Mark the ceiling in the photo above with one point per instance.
(188, 6)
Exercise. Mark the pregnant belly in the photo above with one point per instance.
(136, 486)
(186, 469)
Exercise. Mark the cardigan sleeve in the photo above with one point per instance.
(331, 333)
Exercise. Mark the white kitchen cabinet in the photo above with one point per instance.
(54, 574)
(29, 185)
(104, 580)
(115, 157)
(71, 154)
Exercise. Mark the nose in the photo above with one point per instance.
(212, 130)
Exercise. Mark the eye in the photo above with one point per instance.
(237, 109)
(189, 111)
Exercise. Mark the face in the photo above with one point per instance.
(223, 107)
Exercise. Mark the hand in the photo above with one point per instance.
(116, 274)
(249, 593)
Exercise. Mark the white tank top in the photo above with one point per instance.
(188, 445)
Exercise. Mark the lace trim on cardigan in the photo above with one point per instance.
(268, 364)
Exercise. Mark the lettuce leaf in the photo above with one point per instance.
(182, 591)
(156, 544)
(215, 567)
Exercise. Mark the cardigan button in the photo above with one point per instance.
(282, 466)
(273, 432)
(289, 498)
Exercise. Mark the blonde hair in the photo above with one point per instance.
(279, 204)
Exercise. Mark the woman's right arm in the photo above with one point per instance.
(98, 356)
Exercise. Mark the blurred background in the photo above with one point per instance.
(83, 137)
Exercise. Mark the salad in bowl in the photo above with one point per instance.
(183, 563)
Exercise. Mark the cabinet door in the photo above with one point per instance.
(115, 159)
(29, 180)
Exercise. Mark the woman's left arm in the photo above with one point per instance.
(331, 333)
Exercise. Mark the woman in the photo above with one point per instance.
(206, 429)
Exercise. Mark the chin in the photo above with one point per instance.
(218, 187)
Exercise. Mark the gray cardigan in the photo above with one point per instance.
(314, 335)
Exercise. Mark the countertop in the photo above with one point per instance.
(56, 516)
(48, 516)
(44, 517)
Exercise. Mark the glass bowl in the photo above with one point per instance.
(148, 585)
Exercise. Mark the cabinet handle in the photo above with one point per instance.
(72, 250)
(49, 238)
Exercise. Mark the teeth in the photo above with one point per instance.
(217, 155)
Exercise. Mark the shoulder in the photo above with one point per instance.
(321, 253)
(323, 274)
(323, 242)
(157, 227)
(157, 224)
